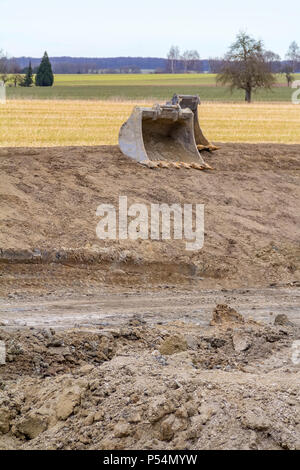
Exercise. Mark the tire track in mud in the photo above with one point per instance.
(112, 308)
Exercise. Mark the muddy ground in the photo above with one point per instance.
(136, 378)
(134, 344)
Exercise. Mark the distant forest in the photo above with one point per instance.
(109, 65)
(78, 65)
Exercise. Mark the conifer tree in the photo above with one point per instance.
(28, 80)
(44, 76)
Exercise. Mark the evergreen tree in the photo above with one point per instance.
(44, 76)
(28, 80)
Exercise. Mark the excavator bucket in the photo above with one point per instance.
(162, 136)
(192, 102)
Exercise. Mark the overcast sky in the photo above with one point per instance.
(97, 28)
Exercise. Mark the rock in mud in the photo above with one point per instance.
(206, 413)
(32, 426)
(241, 342)
(255, 420)
(122, 430)
(282, 320)
(167, 428)
(223, 314)
(55, 343)
(5, 417)
(67, 402)
(173, 344)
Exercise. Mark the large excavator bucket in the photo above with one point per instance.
(161, 136)
(192, 102)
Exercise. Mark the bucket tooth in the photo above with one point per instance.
(201, 147)
(163, 164)
(197, 166)
(149, 164)
(145, 163)
(208, 167)
(185, 165)
(209, 148)
(213, 147)
(176, 165)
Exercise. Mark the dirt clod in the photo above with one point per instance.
(282, 320)
(223, 314)
(173, 344)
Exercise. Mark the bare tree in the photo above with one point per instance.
(13, 74)
(12, 66)
(274, 61)
(288, 70)
(190, 59)
(215, 64)
(245, 66)
(293, 55)
(173, 56)
(3, 67)
(3, 61)
(17, 79)
(194, 59)
(185, 59)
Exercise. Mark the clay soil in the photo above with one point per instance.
(142, 344)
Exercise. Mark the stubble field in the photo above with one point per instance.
(35, 123)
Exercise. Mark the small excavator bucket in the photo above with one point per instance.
(164, 135)
(192, 102)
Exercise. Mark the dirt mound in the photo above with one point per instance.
(223, 314)
(172, 386)
(86, 363)
(48, 218)
(47, 353)
(282, 320)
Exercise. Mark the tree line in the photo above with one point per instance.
(175, 62)
(189, 60)
(11, 73)
(247, 65)
(78, 65)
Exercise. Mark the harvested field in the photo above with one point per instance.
(44, 123)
